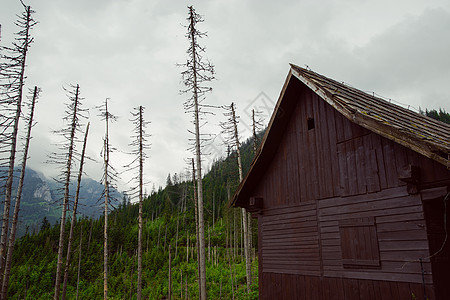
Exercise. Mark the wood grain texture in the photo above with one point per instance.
(321, 177)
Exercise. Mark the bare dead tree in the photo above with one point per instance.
(230, 128)
(65, 158)
(140, 144)
(12, 235)
(198, 72)
(79, 261)
(257, 125)
(170, 274)
(109, 177)
(197, 244)
(74, 213)
(12, 74)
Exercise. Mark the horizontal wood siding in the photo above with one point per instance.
(327, 169)
(290, 241)
(401, 231)
(289, 286)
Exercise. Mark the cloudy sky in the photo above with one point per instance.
(127, 50)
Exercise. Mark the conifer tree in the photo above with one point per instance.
(198, 71)
(12, 235)
(230, 128)
(140, 144)
(79, 261)
(65, 157)
(109, 177)
(197, 237)
(12, 76)
(257, 124)
(74, 213)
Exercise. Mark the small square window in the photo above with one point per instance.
(310, 123)
(359, 243)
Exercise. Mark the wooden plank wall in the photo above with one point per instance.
(290, 240)
(438, 226)
(335, 171)
(286, 286)
(335, 158)
(401, 231)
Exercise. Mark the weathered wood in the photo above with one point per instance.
(322, 172)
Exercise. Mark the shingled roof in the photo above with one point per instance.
(420, 133)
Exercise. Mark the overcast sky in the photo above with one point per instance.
(127, 50)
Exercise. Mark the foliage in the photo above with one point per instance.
(34, 261)
(440, 115)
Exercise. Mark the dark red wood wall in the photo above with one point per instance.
(328, 170)
(288, 286)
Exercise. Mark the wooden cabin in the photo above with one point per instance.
(351, 193)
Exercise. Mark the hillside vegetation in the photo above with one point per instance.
(168, 223)
(42, 198)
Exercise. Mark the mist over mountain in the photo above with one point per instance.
(42, 197)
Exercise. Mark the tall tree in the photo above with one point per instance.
(73, 114)
(74, 213)
(197, 245)
(230, 128)
(198, 71)
(79, 262)
(12, 235)
(257, 124)
(109, 176)
(140, 144)
(12, 72)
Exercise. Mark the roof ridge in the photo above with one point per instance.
(418, 132)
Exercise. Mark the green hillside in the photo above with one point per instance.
(41, 197)
(168, 222)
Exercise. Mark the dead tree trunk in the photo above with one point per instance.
(201, 224)
(255, 126)
(108, 176)
(170, 274)
(197, 245)
(90, 235)
(16, 71)
(176, 237)
(244, 212)
(79, 261)
(198, 72)
(74, 214)
(141, 183)
(105, 229)
(187, 247)
(70, 150)
(231, 129)
(12, 235)
(140, 144)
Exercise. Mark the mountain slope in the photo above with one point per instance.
(41, 197)
(168, 221)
